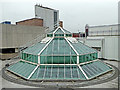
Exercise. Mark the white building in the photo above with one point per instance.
(103, 30)
(50, 16)
(105, 39)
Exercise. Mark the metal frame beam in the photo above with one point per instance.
(55, 31)
(73, 49)
(33, 72)
(62, 30)
(59, 64)
(43, 50)
(83, 72)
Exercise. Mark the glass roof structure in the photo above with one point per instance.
(59, 56)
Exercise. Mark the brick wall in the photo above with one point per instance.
(31, 22)
(61, 24)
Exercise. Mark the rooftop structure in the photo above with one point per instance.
(50, 16)
(59, 56)
(103, 30)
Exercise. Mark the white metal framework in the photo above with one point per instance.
(83, 72)
(33, 72)
(51, 41)
(73, 49)
(44, 49)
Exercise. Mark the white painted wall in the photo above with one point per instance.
(93, 42)
(103, 30)
(109, 46)
(47, 15)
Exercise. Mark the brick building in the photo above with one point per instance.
(31, 22)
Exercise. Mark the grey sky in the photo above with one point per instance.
(74, 13)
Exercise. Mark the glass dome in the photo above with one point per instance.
(59, 56)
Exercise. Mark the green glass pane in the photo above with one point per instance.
(48, 73)
(22, 69)
(82, 48)
(61, 72)
(58, 59)
(59, 31)
(74, 72)
(80, 59)
(58, 46)
(67, 72)
(95, 68)
(59, 35)
(35, 49)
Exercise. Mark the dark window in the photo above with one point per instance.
(55, 17)
(68, 35)
(7, 50)
(49, 35)
(57, 35)
(86, 31)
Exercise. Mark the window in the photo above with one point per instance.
(55, 17)
(57, 35)
(68, 35)
(49, 35)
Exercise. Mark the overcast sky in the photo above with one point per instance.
(74, 13)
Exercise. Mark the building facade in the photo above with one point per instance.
(104, 30)
(105, 39)
(50, 16)
(13, 37)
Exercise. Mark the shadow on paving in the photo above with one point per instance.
(59, 89)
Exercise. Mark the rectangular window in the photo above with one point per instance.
(55, 17)
(49, 35)
(59, 35)
(68, 35)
